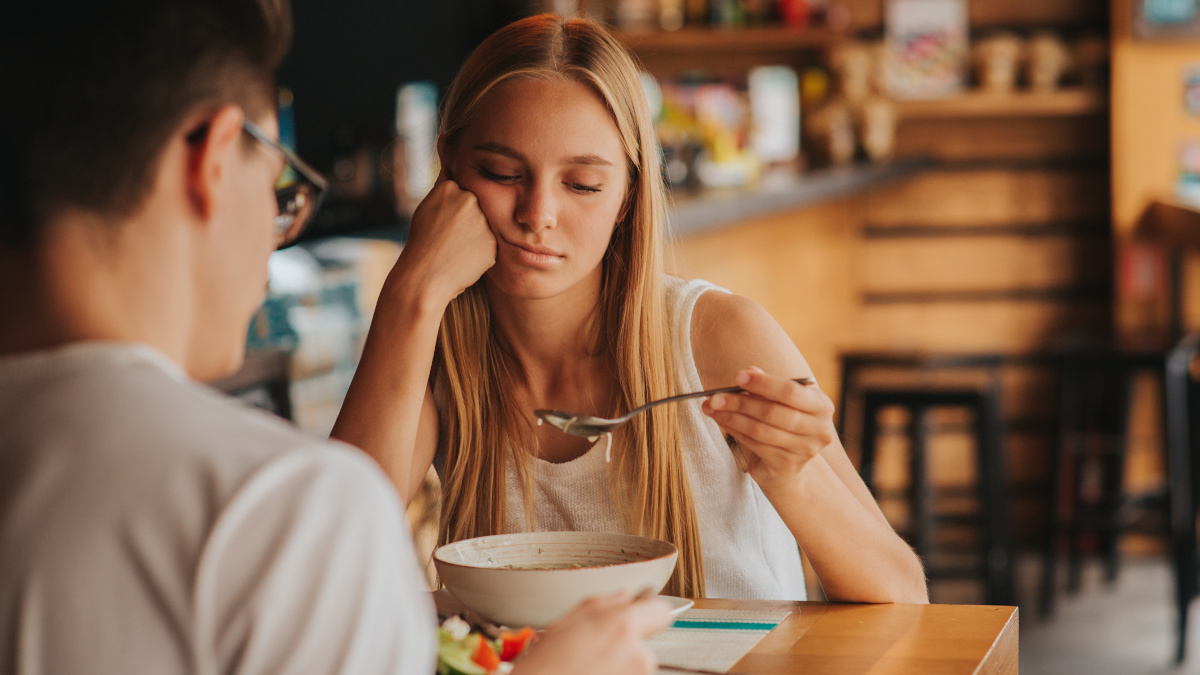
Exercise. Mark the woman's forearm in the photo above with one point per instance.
(857, 557)
(382, 410)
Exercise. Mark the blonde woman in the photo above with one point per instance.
(533, 278)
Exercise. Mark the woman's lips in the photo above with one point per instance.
(536, 256)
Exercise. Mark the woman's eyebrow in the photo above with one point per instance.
(501, 149)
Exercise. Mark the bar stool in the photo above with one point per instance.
(1087, 463)
(1081, 375)
(1182, 407)
(995, 567)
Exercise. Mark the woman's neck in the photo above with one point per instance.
(553, 341)
(559, 366)
(547, 333)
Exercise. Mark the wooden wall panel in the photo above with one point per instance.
(1029, 395)
(997, 263)
(1034, 138)
(999, 196)
(1010, 327)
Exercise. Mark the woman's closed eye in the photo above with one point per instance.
(508, 179)
(498, 177)
(583, 188)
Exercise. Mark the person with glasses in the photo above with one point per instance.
(147, 522)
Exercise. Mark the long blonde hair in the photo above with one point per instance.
(482, 430)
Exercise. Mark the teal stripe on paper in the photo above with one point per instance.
(725, 625)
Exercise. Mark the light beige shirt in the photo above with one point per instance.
(151, 525)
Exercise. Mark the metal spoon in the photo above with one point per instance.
(589, 426)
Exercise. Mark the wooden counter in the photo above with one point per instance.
(822, 638)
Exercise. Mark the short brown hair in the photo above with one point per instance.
(93, 91)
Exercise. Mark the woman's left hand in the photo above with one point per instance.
(780, 424)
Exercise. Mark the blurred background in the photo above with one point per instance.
(976, 218)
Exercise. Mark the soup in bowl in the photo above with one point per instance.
(531, 579)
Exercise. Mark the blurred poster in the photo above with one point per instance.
(926, 47)
(1191, 89)
(1166, 19)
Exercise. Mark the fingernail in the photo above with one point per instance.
(717, 402)
(742, 378)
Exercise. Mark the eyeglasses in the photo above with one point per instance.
(298, 192)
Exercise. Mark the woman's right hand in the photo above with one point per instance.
(601, 636)
(450, 244)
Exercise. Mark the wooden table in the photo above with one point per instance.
(822, 638)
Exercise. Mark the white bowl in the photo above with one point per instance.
(532, 579)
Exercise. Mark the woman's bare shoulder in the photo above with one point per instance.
(731, 332)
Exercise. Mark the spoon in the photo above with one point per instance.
(591, 427)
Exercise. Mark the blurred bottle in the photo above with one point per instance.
(794, 13)
(287, 130)
(414, 152)
(774, 93)
(566, 8)
(636, 14)
(726, 13)
(671, 14)
(756, 12)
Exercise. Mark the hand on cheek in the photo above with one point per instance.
(780, 424)
(450, 244)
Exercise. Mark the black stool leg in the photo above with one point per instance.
(1061, 452)
(1079, 461)
(1114, 479)
(997, 551)
(870, 436)
(1179, 477)
(920, 492)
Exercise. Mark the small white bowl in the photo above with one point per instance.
(532, 579)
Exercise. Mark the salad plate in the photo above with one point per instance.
(678, 605)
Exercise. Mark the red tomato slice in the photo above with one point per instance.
(485, 655)
(513, 644)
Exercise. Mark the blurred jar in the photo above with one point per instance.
(877, 128)
(996, 60)
(1048, 59)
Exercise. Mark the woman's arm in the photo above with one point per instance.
(794, 454)
(389, 410)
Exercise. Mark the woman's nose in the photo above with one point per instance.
(536, 208)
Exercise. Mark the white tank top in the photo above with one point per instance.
(748, 551)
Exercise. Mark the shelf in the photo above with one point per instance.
(716, 208)
(1010, 14)
(1061, 103)
(699, 40)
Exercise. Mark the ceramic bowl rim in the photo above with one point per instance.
(670, 550)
